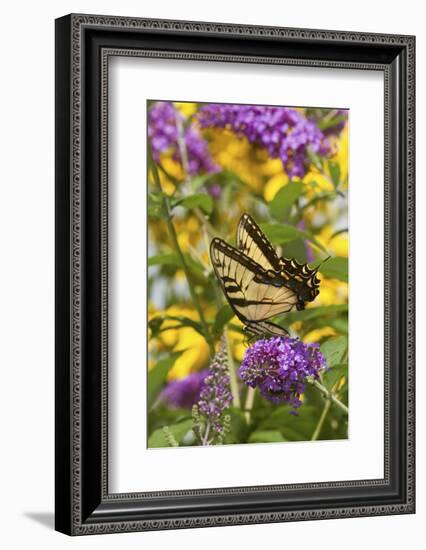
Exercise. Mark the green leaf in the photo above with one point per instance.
(199, 181)
(157, 376)
(224, 315)
(334, 374)
(292, 428)
(340, 324)
(161, 415)
(155, 325)
(296, 250)
(283, 233)
(181, 321)
(266, 436)
(173, 259)
(335, 268)
(331, 122)
(334, 350)
(313, 313)
(315, 159)
(327, 196)
(179, 431)
(200, 200)
(238, 429)
(155, 204)
(195, 266)
(168, 258)
(281, 204)
(334, 168)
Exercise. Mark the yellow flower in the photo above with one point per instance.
(342, 155)
(238, 155)
(332, 292)
(188, 231)
(186, 108)
(271, 167)
(274, 184)
(237, 341)
(297, 326)
(323, 182)
(172, 167)
(337, 245)
(182, 338)
(318, 333)
(317, 181)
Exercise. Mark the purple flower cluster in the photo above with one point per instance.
(163, 133)
(278, 367)
(216, 394)
(184, 393)
(285, 133)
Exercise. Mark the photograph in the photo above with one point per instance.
(248, 250)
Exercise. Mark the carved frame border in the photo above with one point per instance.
(70, 518)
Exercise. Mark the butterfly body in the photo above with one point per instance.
(257, 283)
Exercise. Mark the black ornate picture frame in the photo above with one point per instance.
(84, 43)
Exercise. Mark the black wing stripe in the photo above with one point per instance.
(244, 302)
(235, 254)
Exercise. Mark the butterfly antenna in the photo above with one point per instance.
(322, 263)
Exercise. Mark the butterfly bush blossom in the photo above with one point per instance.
(185, 392)
(279, 366)
(285, 133)
(216, 394)
(163, 133)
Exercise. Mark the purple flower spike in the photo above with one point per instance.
(185, 392)
(216, 394)
(163, 133)
(285, 133)
(278, 367)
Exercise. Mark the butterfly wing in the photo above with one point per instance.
(259, 329)
(252, 241)
(302, 278)
(254, 293)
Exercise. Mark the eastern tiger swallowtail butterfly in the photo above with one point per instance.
(259, 284)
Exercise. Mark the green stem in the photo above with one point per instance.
(166, 212)
(324, 196)
(328, 395)
(249, 403)
(232, 375)
(182, 146)
(318, 428)
(205, 440)
(204, 222)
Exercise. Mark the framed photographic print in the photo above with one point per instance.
(234, 274)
